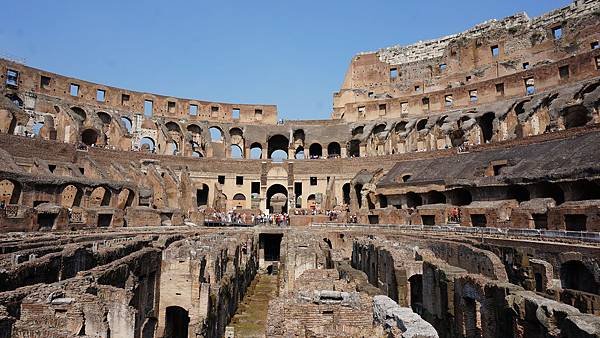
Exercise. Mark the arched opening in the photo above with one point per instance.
(358, 193)
(299, 153)
(278, 143)
(106, 198)
(256, 151)
(413, 200)
(460, 197)
(354, 148)
(486, 123)
(435, 197)
(575, 275)
(79, 114)
(298, 135)
(416, 293)
(277, 199)
(236, 152)
(37, 128)
(334, 150)
(10, 192)
(126, 123)
(202, 196)
(177, 322)
(89, 137)
(71, 197)
(457, 138)
(147, 144)
(311, 201)
(421, 124)
(315, 150)
(173, 148)
(550, 190)
(173, 127)
(195, 130)
(104, 117)
(346, 193)
(584, 190)
(400, 127)
(197, 154)
(379, 130)
(358, 130)
(518, 192)
(15, 99)
(576, 116)
(239, 201)
(216, 134)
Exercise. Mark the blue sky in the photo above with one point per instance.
(290, 53)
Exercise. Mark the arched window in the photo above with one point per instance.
(334, 149)
(256, 151)
(236, 152)
(147, 144)
(127, 123)
(299, 153)
(89, 137)
(277, 147)
(216, 134)
(316, 151)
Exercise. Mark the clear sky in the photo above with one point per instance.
(290, 53)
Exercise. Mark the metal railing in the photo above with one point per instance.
(583, 236)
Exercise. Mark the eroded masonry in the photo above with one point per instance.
(455, 192)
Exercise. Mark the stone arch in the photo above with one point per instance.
(104, 117)
(216, 134)
(71, 196)
(277, 142)
(277, 198)
(239, 201)
(346, 193)
(172, 148)
(299, 153)
(126, 122)
(236, 151)
(421, 124)
(194, 129)
(100, 197)
(334, 149)
(379, 130)
(89, 136)
(125, 198)
(256, 151)
(10, 192)
(147, 143)
(173, 127)
(358, 130)
(79, 114)
(315, 150)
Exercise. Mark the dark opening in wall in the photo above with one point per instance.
(235, 113)
(255, 188)
(413, 200)
(346, 193)
(202, 196)
(373, 219)
(45, 82)
(525, 65)
(177, 322)
(383, 202)
(221, 179)
(104, 220)
(486, 123)
(575, 222)
(425, 102)
(171, 107)
(500, 89)
(354, 148)
(518, 192)
(357, 191)
(595, 45)
(421, 124)
(393, 73)
(539, 283)
(334, 149)
(315, 150)
(575, 275)
(428, 219)
(51, 167)
(563, 72)
(46, 221)
(478, 220)
(472, 317)
(239, 180)
(271, 244)
(416, 293)
(313, 180)
(89, 137)
(576, 116)
(540, 221)
(529, 86)
(298, 192)
(125, 99)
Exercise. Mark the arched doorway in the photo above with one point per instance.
(315, 150)
(277, 199)
(346, 193)
(279, 144)
(334, 150)
(177, 322)
(89, 137)
(576, 276)
(255, 151)
(239, 201)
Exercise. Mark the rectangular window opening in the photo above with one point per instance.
(382, 109)
(473, 95)
(500, 89)
(239, 180)
(557, 32)
(530, 86)
(495, 51)
(148, 107)
(468, 78)
(394, 73)
(255, 188)
(443, 67)
(193, 109)
(44, 81)
(313, 180)
(448, 100)
(404, 108)
(417, 88)
(361, 110)
(525, 65)
(171, 107)
(12, 78)
(235, 113)
(74, 89)
(425, 102)
(100, 95)
(595, 45)
(124, 99)
(370, 94)
(597, 62)
(563, 72)
(221, 179)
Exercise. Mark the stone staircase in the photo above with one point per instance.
(250, 320)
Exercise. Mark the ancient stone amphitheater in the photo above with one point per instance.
(455, 192)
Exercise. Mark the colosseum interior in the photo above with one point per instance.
(454, 192)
